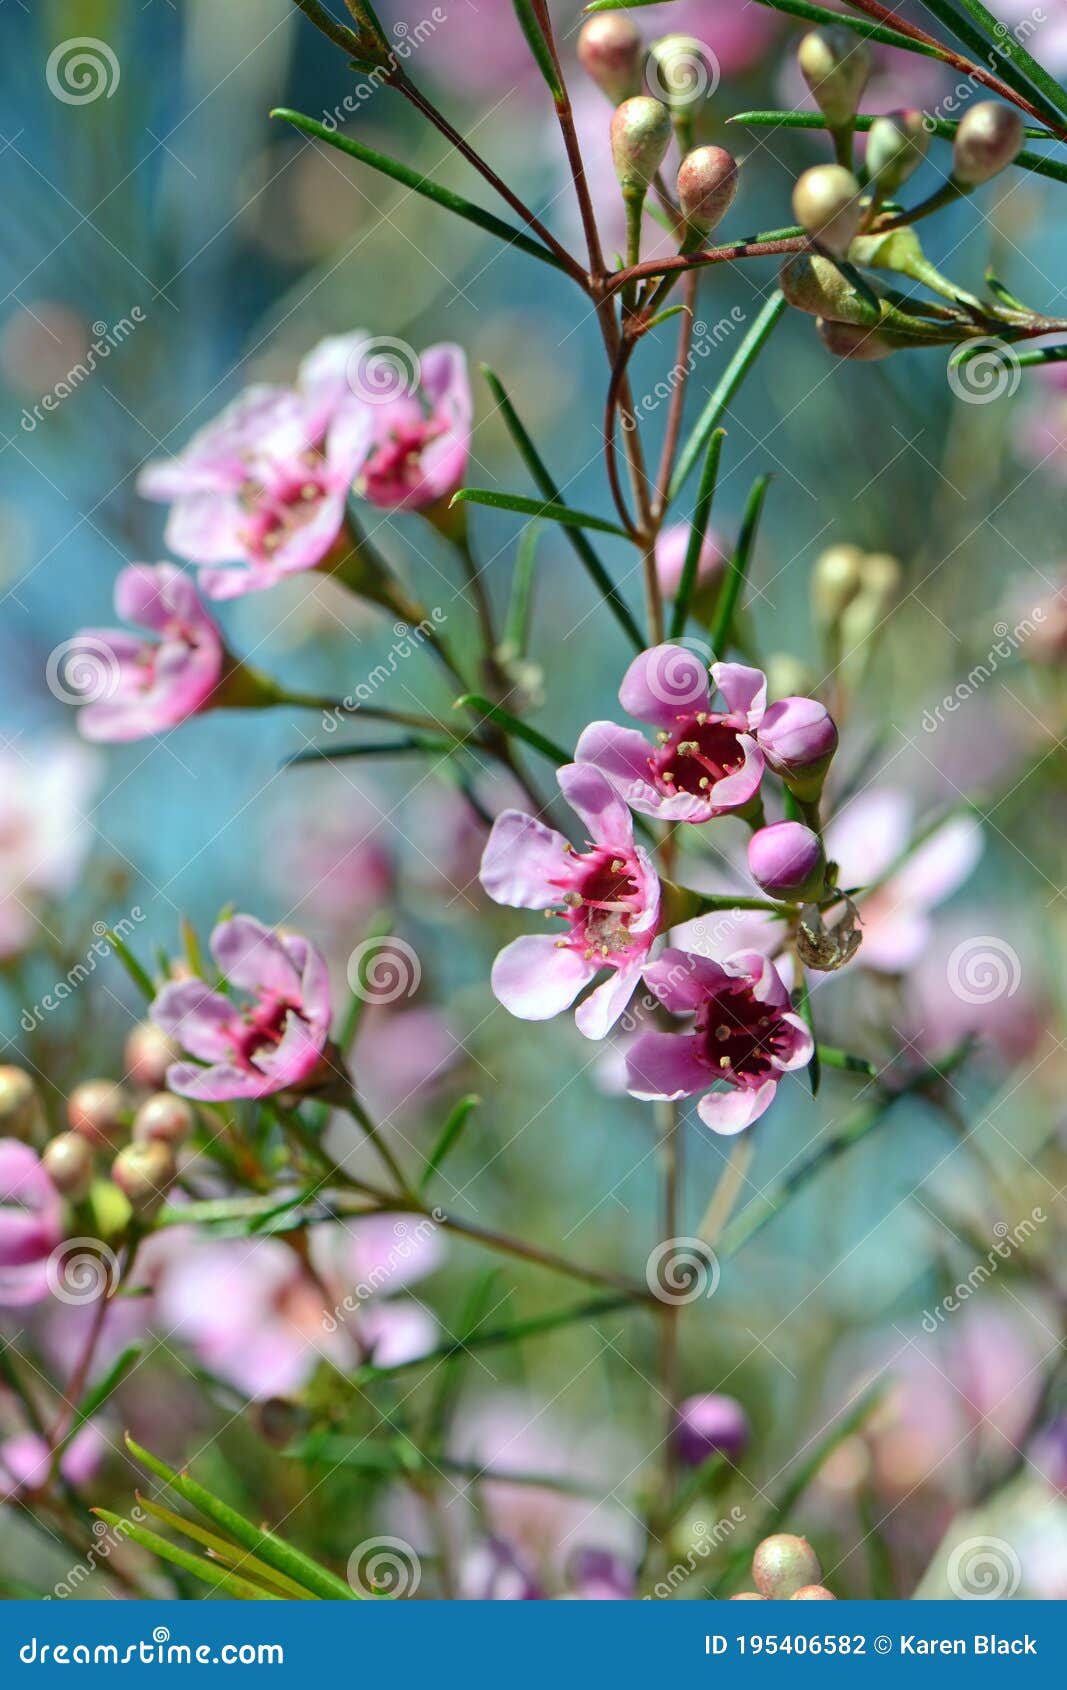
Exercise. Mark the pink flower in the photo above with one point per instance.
(707, 762)
(275, 1043)
(143, 687)
(671, 547)
(744, 1036)
(45, 788)
(265, 484)
(26, 1461)
(609, 896)
(31, 1224)
(420, 440)
(865, 839)
(710, 1424)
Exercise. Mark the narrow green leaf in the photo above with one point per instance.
(544, 481)
(264, 1544)
(732, 377)
(846, 1062)
(1036, 163)
(802, 1005)
(449, 1137)
(420, 184)
(102, 1390)
(1018, 68)
(516, 636)
(422, 745)
(539, 47)
(140, 977)
(230, 1555)
(552, 512)
(739, 566)
(698, 530)
(513, 725)
(207, 1571)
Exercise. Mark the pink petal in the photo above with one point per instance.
(596, 1017)
(736, 789)
(254, 958)
(730, 1112)
(200, 1020)
(761, 974)
(522, 858)
(622, 754)
(663, 684)
(941, 865)
(536, 978)
(667, 1066)
(744, 689)
(683, 980)
(594, 800)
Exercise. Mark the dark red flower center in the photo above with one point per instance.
(741, 1035)
(701, 751)
(601, 896)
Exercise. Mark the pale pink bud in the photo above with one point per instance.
(784, 1564)
(640, 135)
(748, 1596)
(164, 1118)
(148, 1054)
(896, 146)
(835, 63)
(787, 860)
(68, 1161)
(845, 340)
(142, 1173)
(710, 1424)
(20, 1107)
(610, 51)
(813, 1593)
(826, 204)
(989, 137)
(97, 1109)
(798, 738)
(707, 186)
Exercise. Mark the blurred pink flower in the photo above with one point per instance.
(26, 1461)
(744, 1036)
(1043, 32)
(400, 1054)
(609, 896)
(332, 855)
(45, 788)
(265, 485)
(671, 547)
(31, 1224)
(273, 1044)
(420, 439)
(140, 687)
(865, 839)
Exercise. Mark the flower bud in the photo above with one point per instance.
(813, 1593)
(707, 186)
(640, 135)
(610, 52)
(784, 1564)
(816, 285)
(142, 1173)
(68, 1161)
(835, 63)
(787, 860)
(896, 146)
(707, 1425)
(21, 1115)
(826, 203)
(787, 675)
(836, 580)
(148, 1054)
(164, 1118)
(97, 1109)
(882, 576)
(989, 137)
(845, 340)
(798, 738)
(681, 71)
(748, 1596)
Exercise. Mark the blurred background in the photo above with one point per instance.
(203, 245)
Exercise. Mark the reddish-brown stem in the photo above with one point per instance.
(708, 255)
(677, 406)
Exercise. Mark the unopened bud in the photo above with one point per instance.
(816, 285)
(989, 137)
(813, 1593)
(835, 63)
(836, 580)
(787, 861)
(882, 576)
(826, 204)
(710, 1424)
(787, 675)
(640, 135)
(784, 1564)
(896, 146)
(97, 1109)
(845, 340)
(610, 52)
(748, 1596)
(68, 1161)
(707, 187)
(165, 1118)
(681, 71)
(148, 1054)
(798, 738)
(21, 1115)
(142, 1173)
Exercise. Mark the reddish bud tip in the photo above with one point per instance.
(164, 1118)
(142, 1173)
(148, 1054)
(610, 52)
(68, 1161)
(989, 137)
(707, 187)
(98, 1109)
(813, 1593)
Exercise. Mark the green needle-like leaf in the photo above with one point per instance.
(552, 512)
(516, 636)
(515, 726)
(230, 1555)
(538, 47)
(449, 1137)
(227, 1583)
(739, 566)
(736, 370)
(697, 532)
(102, 1390)
(996, 47)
